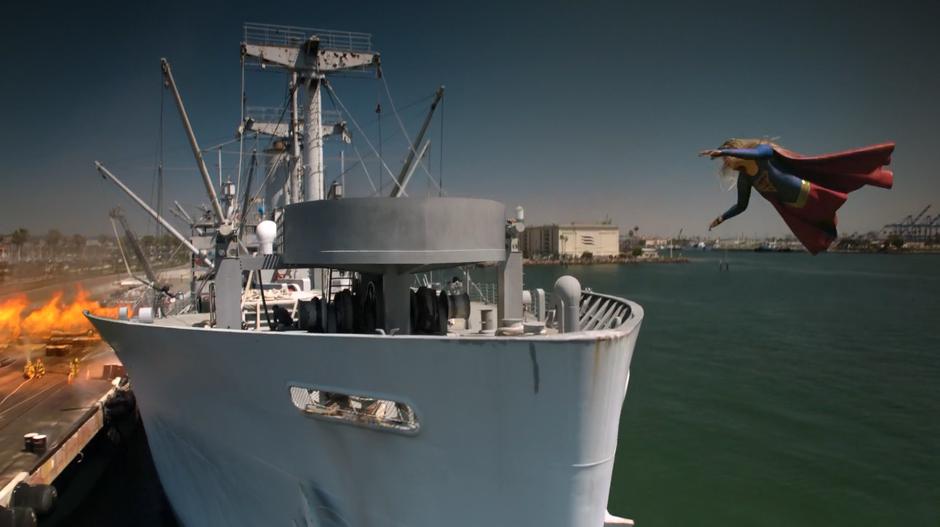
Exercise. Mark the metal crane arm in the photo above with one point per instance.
(206, 179)
(184, 215)
(411, 170)
(105, 173)
(921, 215)
(118, 215)
(412, 158)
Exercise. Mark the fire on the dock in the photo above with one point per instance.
(53, 317)
(11, 312)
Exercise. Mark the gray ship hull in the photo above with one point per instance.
(514, 431)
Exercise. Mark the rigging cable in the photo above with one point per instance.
(360, 161)
(241, 136)
(271, 170)
(344, 171)
(254, 154)
(175, 251)
(336, 100)
(156, 188)
(378, 110)
(440, 154)
(365, 169)
(127, 265)
(244, 207)
(411, 146)
(162, 161)
(219, 146)
(402, 109)
(290, 94)
(264, 302)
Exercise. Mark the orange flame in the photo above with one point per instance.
(54, 315)
(10, 312)
(42, 320)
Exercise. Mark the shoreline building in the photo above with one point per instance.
(571, 241)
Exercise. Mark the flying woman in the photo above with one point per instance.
(806, 190)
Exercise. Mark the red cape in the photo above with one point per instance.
(832, 176)
(842, 171)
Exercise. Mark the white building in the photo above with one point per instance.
(571, 241)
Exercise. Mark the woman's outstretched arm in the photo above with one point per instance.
(761, 151)
(744, 196)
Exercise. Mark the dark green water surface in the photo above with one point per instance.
(790, 391)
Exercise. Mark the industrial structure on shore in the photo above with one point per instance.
(921, 227)
(571, 241)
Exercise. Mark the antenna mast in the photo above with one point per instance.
(309, 55)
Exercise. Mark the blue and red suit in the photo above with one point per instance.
(808, 190)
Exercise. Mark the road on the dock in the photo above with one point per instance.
(47, 405)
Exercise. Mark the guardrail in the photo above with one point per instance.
(274, 114)
(484, 292)
(599, 311)
(290, 36)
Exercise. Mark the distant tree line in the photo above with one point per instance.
(56, 246)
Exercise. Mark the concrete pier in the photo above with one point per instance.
(63, 401)
(69, 414)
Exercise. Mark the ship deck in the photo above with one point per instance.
(597, 312)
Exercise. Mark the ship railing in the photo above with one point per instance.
(291, 36)
(141, 301)
(275, 114)
(279, 237)
(484, 292)
(596, 310)
(599, 311)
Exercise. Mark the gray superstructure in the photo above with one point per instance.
(363, 398)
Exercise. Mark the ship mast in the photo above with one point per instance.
(309, 55)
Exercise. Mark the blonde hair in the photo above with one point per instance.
(746, 143)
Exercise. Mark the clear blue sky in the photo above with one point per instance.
(575, 110)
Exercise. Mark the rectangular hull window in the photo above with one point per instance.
(355, 409)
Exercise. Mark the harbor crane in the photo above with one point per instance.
(913, 222)
(916, 227)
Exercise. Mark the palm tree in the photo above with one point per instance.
(20, 237)
(78, 242)
(53, 239)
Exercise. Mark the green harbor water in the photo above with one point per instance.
(788, 391)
